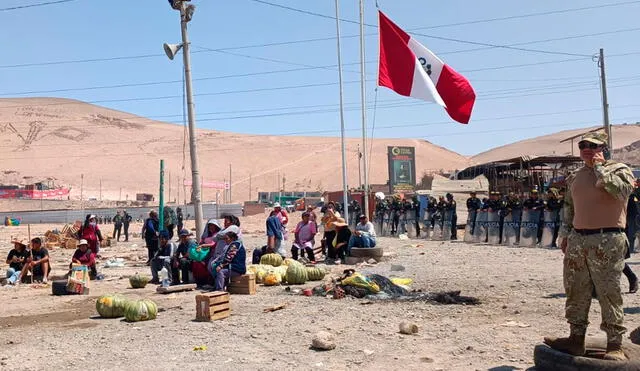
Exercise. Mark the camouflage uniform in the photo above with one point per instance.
(596, 260)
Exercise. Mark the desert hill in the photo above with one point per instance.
(626, 144)
(78, 143)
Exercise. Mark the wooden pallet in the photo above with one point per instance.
(212, 306)
(243, 285)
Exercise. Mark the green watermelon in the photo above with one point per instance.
(111, 306)
(140, 310)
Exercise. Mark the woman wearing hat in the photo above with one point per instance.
(84, 256)
(16, 259)
(91, 233)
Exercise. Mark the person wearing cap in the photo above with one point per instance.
(364, 234)
(84, 256)
(91, 232)
(452, 207)
(150, 230)
(554, 205)
(594, 246)
(162, 257)
(181, 261)
(473, 205)
(38, 262)
(338, 247)
(17, 259)
(126, 220)
(117, 226)
(304, 238)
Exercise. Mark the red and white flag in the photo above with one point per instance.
(410, 69)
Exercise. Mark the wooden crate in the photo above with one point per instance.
(212, 306)
(244, 285)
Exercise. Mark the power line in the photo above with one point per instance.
(35, 5)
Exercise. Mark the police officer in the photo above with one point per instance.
(415, 203)
(534, 203)
(514, 207)
(594, 244)
(395, 208)
(473, 205)
(633, 212)
(554, 205)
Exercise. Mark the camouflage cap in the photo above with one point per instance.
(597, 137)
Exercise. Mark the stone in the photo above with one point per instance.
(368, 352)
(397, 268)
(372, 261)
(408, 328)
(426, 359)
(323, 340)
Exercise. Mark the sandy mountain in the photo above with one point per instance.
(78, 143)
(626, 143)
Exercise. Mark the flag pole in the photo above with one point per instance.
(345, 197)
(363, 96)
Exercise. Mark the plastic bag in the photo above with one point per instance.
(402, 281)
(358, 280)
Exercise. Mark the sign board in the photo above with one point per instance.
(402, 169)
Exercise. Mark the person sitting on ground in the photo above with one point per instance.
(338, 247)
(304, 234)
(201, 254)
(181, 262)
(17, 259)
(84, 256)
(231, 264)
(38, 263)
(274, 234)
(364, 235)
(90, 232)
(162, 257)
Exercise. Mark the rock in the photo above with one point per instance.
(372, 261)
(470, 347)
(408, 328)
(323, 340)
(368, 352)
(426, 359)
(397, 268)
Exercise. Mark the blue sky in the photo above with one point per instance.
(551, 93)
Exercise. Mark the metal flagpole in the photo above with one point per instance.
(363, 95)
(345, 197)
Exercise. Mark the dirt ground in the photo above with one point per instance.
(520, 289)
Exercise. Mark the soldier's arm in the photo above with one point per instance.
(568, 212)
(616, 179)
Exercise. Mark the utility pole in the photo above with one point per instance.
(82, 192)
(363, 96)
(605, 101)
(359, 171)
(161, 199)
(229, 183)
(249, 187)
(186, 13)
(284, 181)
(279, 188)
(169, 186)
(100, 189)
(345, 196)
(120, 197)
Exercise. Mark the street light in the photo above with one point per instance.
(186, 14)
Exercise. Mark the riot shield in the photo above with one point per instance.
(437, 227)
(447, 225)
(549, 229)
(468, 228)
(511, 229)
(493, 227)
(426, 231)
(529, 228)
(480, 230)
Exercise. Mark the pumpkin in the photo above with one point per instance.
(138, 282)
(140, 310)
(287, 261)
(274, 260)
(282, 272)
(296, 274)
(315, 273)
(272, 279)
(111, 306)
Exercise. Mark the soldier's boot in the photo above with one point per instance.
(633, 285)
(573, 345)
(614, 352)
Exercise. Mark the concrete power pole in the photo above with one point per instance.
(186, 13)
(605, 101)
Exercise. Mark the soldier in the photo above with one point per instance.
(473, 205)
(594, 244)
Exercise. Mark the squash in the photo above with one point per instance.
(315, 273)
(288, 261)
(140, 310)
(111, 306)
(282, 272)
(272, 279)
(138, 282)
(296, 274)
(274, 260)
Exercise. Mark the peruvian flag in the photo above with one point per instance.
(410, 69)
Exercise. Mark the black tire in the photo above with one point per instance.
(367, 252)
(59, 288)
(548, 359)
